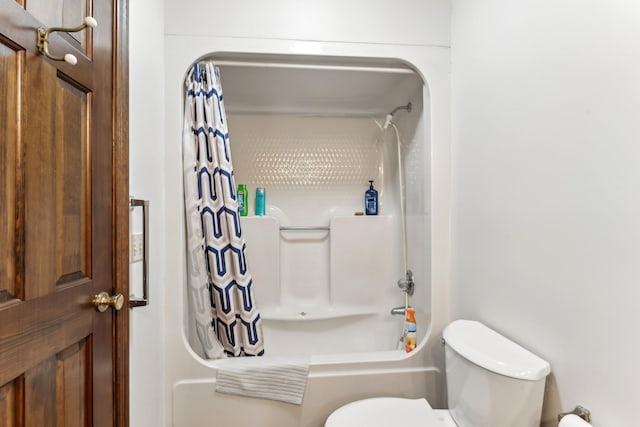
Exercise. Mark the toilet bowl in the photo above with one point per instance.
(389, 412)
(491, 382)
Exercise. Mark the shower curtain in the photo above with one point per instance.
(220, 286)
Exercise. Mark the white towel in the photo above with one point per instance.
(275, 378)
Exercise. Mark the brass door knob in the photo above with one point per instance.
(103, 301)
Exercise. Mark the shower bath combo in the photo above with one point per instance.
(329, 284)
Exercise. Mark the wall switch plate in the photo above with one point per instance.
(136, 246)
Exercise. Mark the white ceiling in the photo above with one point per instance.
(320, 85)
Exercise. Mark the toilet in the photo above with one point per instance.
(491, 382)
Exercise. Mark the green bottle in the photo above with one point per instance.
(243, 201)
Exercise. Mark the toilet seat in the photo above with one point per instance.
(388, 412)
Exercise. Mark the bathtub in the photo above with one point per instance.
(333, 381)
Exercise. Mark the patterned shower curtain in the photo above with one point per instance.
(220, 286)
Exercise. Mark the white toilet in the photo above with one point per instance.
(491, 382)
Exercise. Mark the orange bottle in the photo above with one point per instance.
(410, 330)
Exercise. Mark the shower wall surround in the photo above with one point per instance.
(316, 265)
(309, 131)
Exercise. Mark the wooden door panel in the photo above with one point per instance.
(39, 394)
(57, 158)
(55, 392)
(9, 82)
(72, 183)
(72, 385)
(10, 415)
(39, 177)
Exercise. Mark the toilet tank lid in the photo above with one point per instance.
(490, 350)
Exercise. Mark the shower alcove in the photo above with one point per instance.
(310, 130)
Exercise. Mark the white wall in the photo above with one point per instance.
(422, 22)
(146, 150)
(546, 190)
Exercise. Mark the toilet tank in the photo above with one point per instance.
(491, 381)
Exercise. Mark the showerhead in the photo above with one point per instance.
(387, 121)
(389, 117)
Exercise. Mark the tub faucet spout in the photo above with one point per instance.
(397, 311)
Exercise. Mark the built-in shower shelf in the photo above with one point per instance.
(333, 312)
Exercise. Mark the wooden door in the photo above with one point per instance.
(62, 175)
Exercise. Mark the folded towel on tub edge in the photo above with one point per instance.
(265, 377)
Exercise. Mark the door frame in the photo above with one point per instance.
(120, 196)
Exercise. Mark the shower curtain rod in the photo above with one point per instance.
(395, 70)
(322, 114)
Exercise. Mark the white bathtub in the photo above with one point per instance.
(334, 339)
(334, 380)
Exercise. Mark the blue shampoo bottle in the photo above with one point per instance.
(371, 200)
